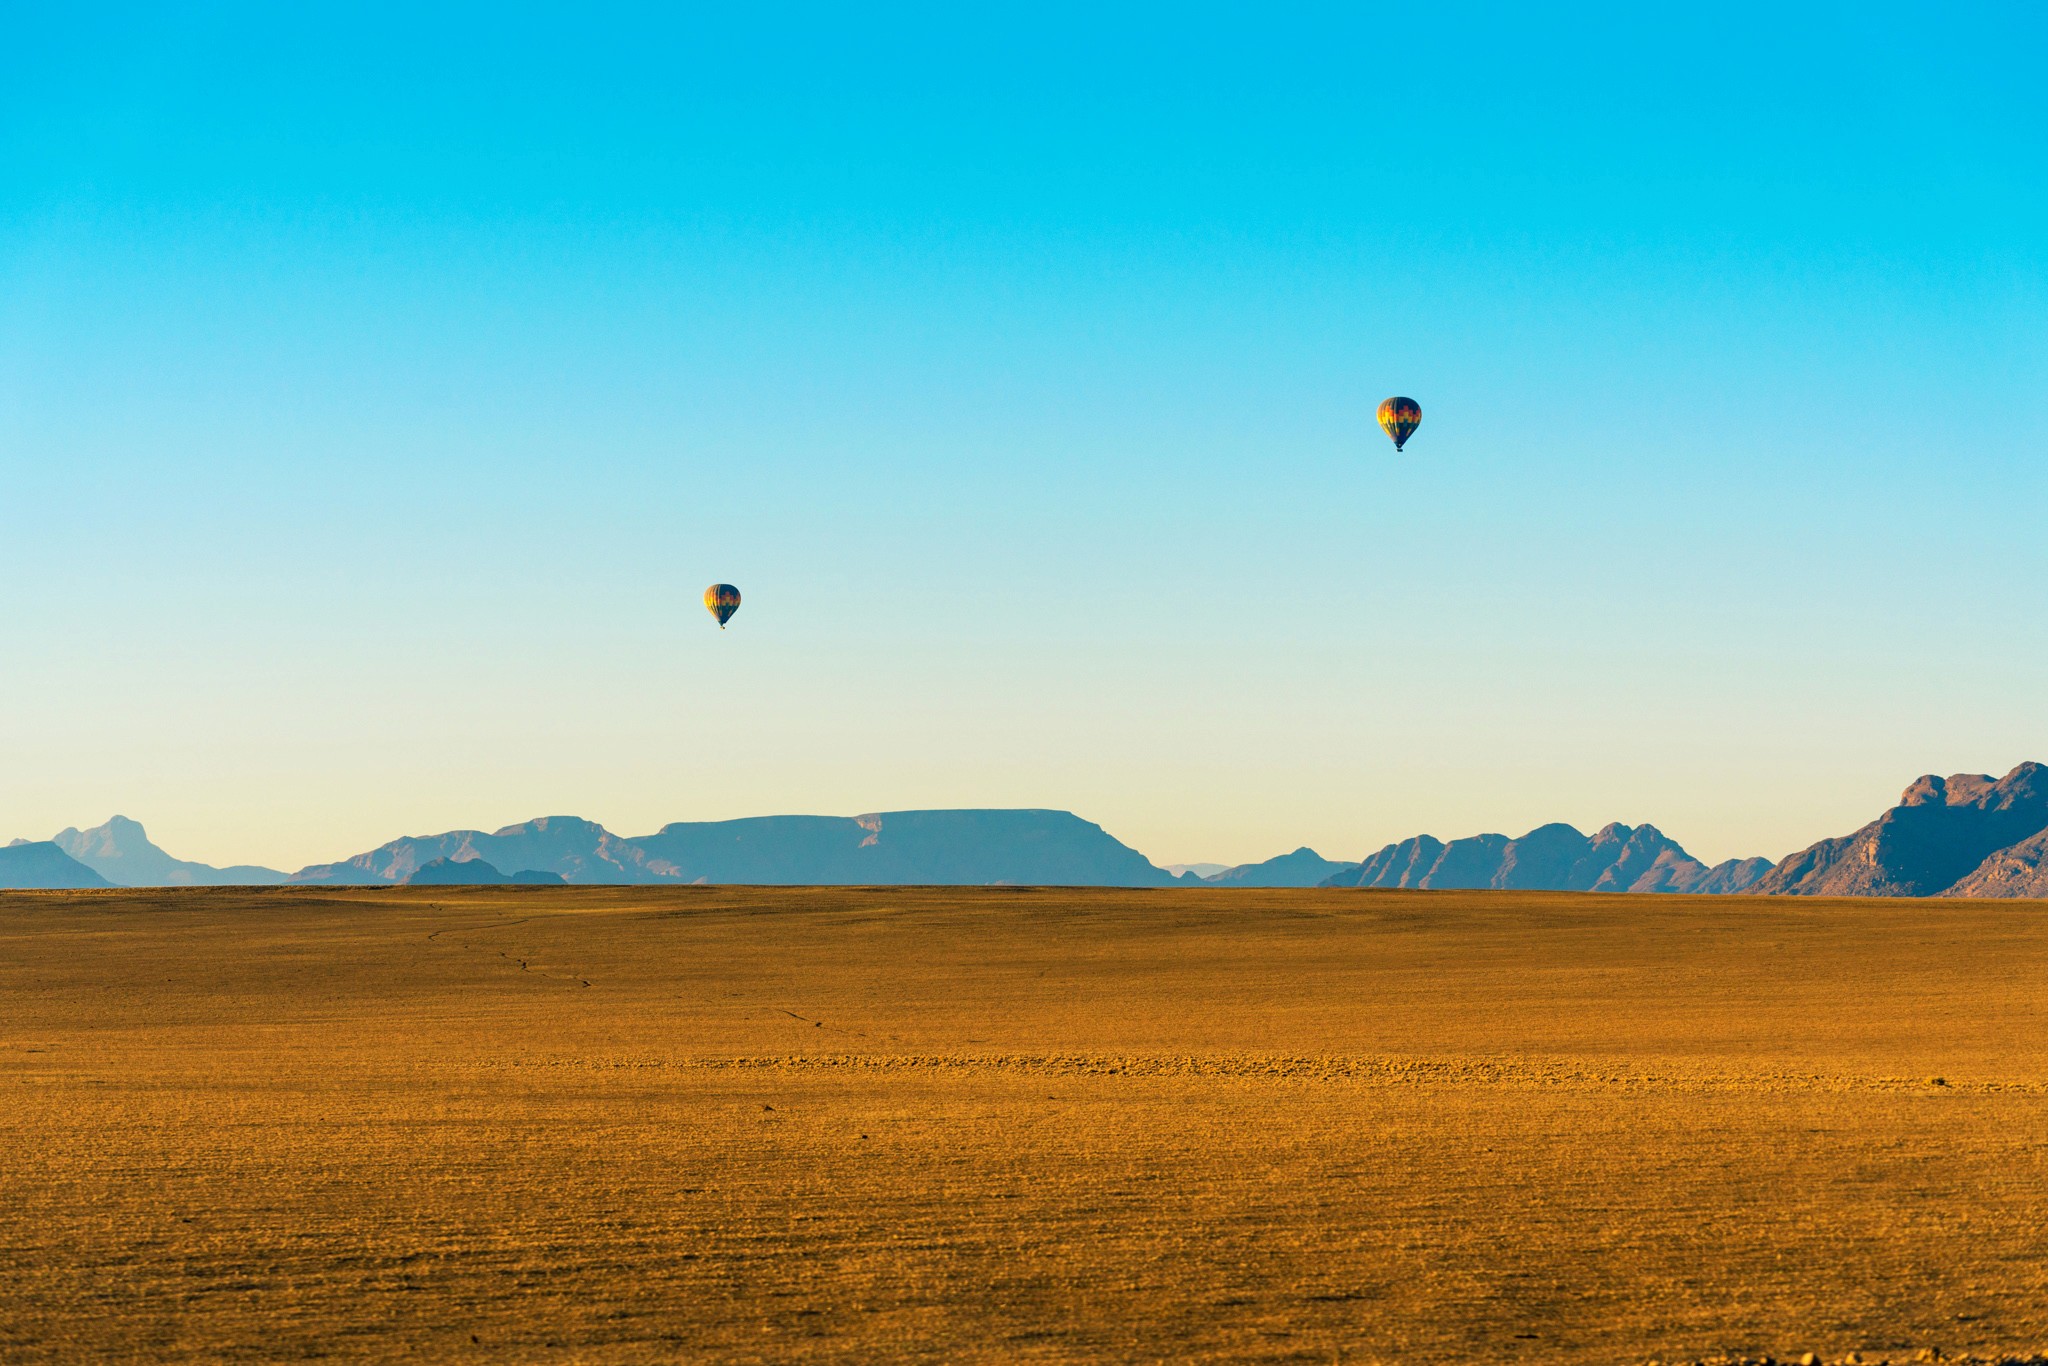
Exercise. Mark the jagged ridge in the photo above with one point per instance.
(1556, 857)
(1965, 835)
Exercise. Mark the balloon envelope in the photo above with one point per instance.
(721, 600)
(1399, 417)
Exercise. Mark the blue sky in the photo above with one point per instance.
(379, 391)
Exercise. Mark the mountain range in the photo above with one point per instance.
(1616, 858)
(1965, 835)
(932, 848)
(120, 852)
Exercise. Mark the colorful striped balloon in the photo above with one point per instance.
(721, 600)
(1399, 417)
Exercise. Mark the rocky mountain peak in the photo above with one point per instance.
(121, 852)
(2027, 783)
(1933, 841)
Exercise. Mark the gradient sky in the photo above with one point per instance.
(380, 390)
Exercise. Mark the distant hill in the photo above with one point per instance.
(120, 851)
(43, 865)
(1616, 858)
(1965, 835)
(579, 850)
(959, 848)
(1302, 868)
(444, 872)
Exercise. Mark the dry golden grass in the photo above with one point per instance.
(587, 1124)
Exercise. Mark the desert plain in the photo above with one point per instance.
(859, 1124)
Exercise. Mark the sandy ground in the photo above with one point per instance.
(587, 1124)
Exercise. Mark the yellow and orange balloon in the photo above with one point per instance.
(1399, 417)
(721, 600)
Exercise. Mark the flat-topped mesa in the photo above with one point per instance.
(937, 848)
(959, 848)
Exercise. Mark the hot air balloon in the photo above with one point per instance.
(721, 600)
(1399, 417)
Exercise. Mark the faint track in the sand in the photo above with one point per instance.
(524, 965)
(1371, 1070)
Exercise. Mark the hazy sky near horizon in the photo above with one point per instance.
(379, 390)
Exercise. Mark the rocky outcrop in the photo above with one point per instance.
(1943, 838)
(1616, 858)
(2018, 870)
